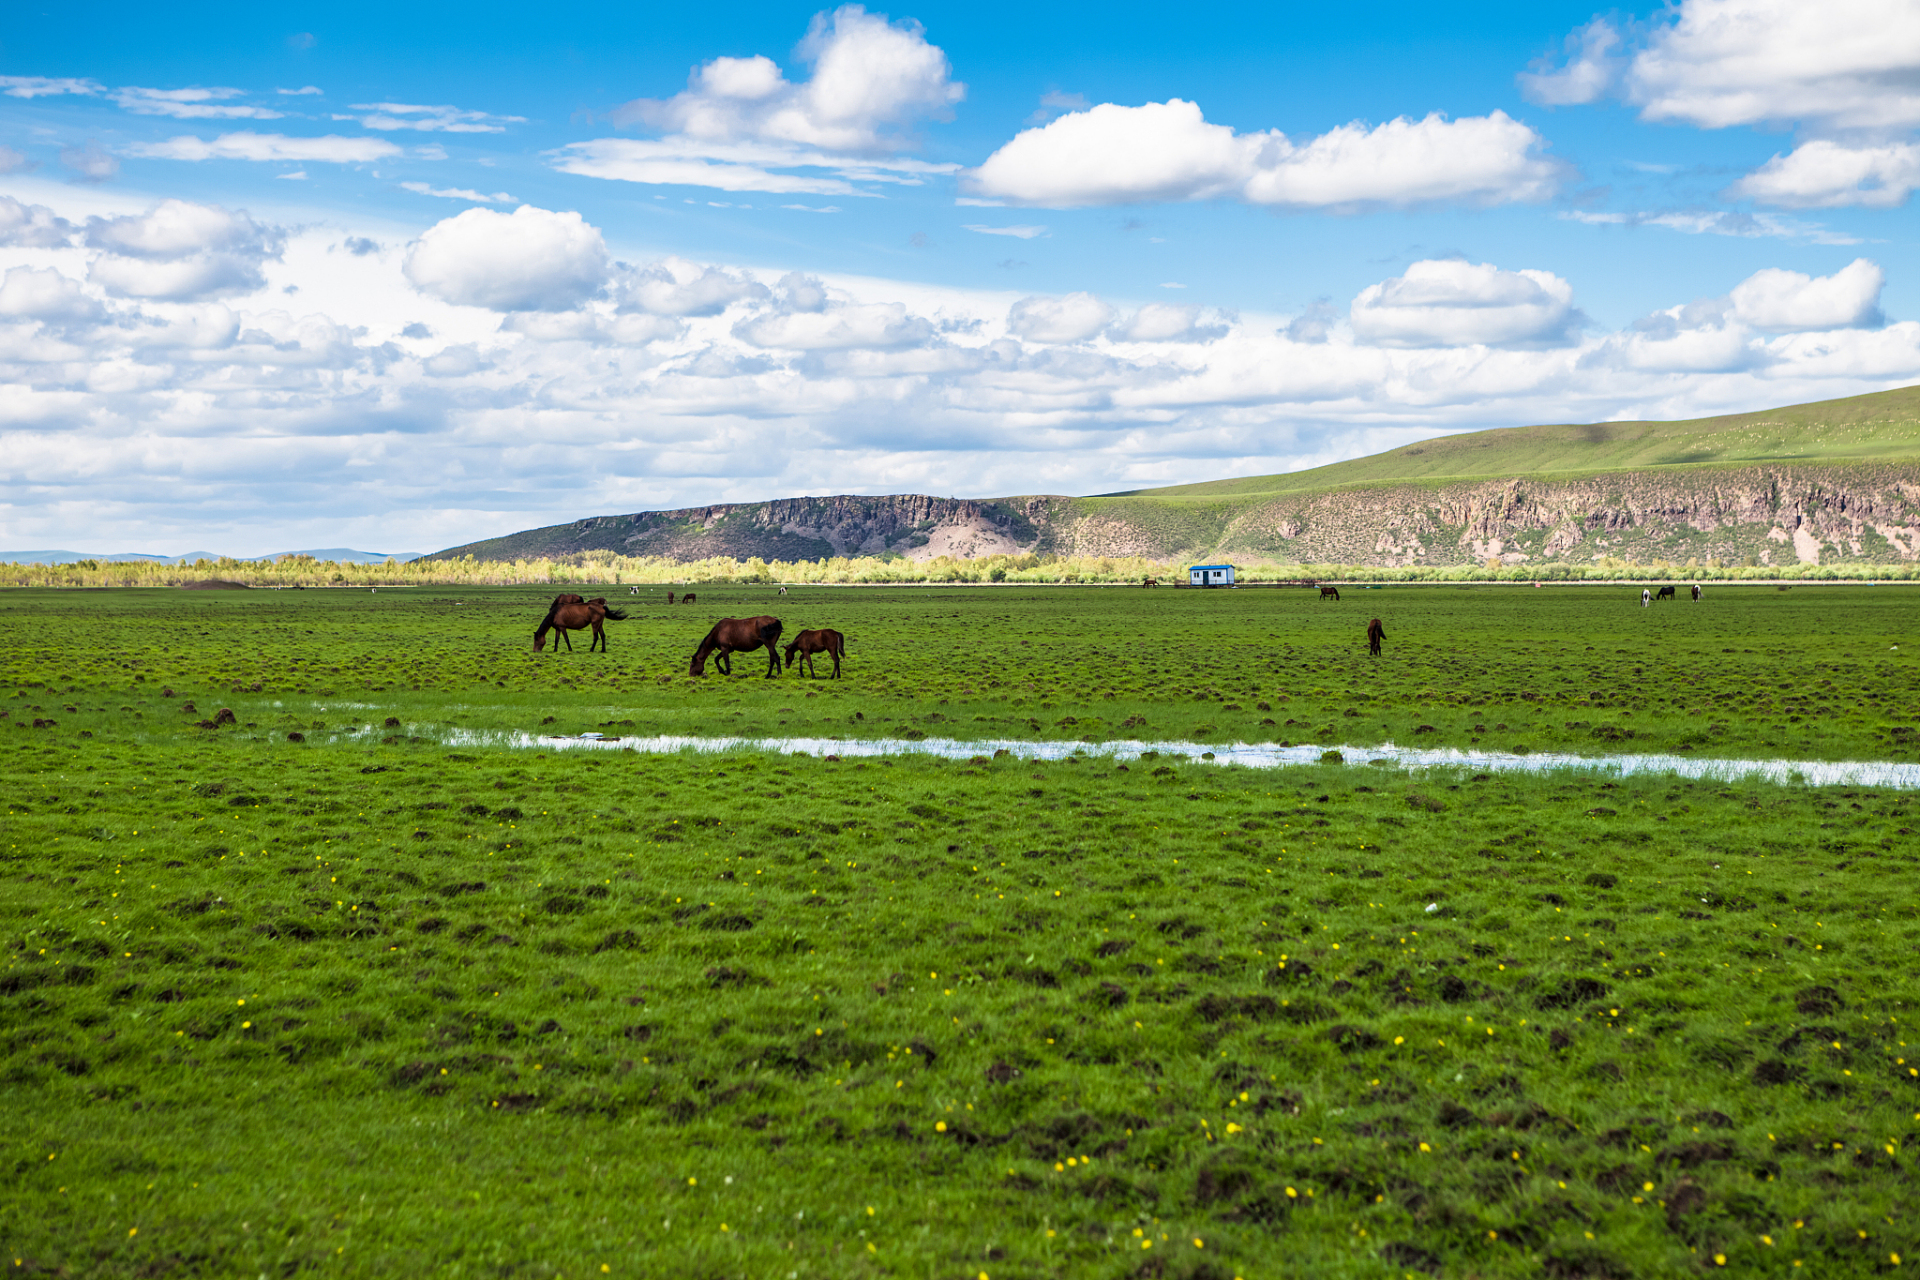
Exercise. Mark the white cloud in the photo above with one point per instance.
(32, 226)
(593, 327)
(297, 175)
(1450, 303)
(676, 287)
(12, 161)
(179, 250)
(1723, 223)
(1844, 64)
(47, 87)
(529, 260)
(1788, 302)
(453, 193)
(388, 116)
(1073, 318)
(29, 293)
(880, 325)
(803, 208)
(1022, 232)
(91, 162)
(1165, 322)
(800, 292)
(1588, 72)
(191, 104)
(301, 92)
(328, 149)
(1825, 175)
(1162, 151)
(869, 76)
(740, 125)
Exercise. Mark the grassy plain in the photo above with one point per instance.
(371, 1006)
(1816, 672)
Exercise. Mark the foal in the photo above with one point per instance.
(808, 643)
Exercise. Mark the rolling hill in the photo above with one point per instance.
(1834, 480)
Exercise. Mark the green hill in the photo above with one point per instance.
(1883, 426)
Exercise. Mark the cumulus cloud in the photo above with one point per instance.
(869, 76)
(388, 116)
(880, 325)
(1314, 324)
(191, 104)
(634, 330)
(529, 260)
(12, 161)
(741, 125)
(30, 293)
(1847, 64)
(180, 250)
(1588, 72)
(1823, 175)
(1780, 301)
(1165, 322)
(329, 149)
(799, 292)
(676, 287)
(1073, 318)
(1110, 154)
(1451, 303)
(32, 226)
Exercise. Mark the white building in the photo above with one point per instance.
(1210, 575)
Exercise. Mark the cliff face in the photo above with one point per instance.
(1773, 514)
(1764, 514)
(786, 529)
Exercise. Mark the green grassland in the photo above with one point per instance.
(364, 1004)
(1881, 427)
(1816, 672)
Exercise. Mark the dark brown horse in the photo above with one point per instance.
(669, 597)
(685, 599)
(1149, 582)
(571, 613)
(1375, 634)
(738, 635)
(1330, 591)
(808, 643)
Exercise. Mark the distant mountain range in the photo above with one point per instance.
(340, 555)
(1836, 479)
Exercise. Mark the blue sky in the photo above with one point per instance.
(333, 274)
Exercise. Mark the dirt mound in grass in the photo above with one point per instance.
(214, 584)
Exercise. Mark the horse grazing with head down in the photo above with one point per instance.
(808, 643)
(1330, 591)
(571, 613)
(738, 635)
(685, 599)
(1664, 593)
(1375, 634)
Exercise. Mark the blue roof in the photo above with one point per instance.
(1210, 566)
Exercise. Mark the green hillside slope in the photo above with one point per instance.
(1883, 426)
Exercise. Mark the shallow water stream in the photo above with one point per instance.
(1865, 773)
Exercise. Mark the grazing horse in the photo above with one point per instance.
(738, 635)
(1149, 582)
(1696, 591)
(1664, 593)
(1375, 634)
(808, 643)
(1646, 597)
(571, 613)
(1330, 591)
(687, 598)
(669, 597)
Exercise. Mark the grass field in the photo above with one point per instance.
(367, 1005)
(1812, 673)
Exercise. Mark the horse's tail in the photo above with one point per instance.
(617, 615)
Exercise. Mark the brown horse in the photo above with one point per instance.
(669, 597)
(685, 599)
(571, 613)
(738, 635)
(1330, 591)
(808, 643)
(1149, 582)
(1375, 634)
